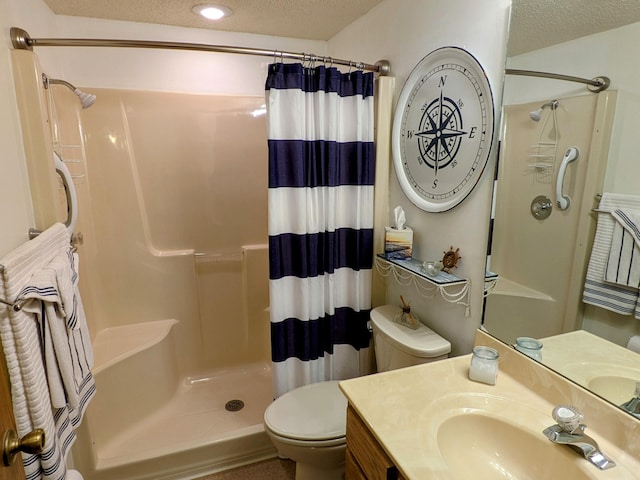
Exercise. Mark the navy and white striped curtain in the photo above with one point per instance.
(321, 176)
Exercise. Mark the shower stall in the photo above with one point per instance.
(175, 276)
(172, 194)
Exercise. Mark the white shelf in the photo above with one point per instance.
(451, 287)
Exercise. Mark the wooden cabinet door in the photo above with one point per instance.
(15, 471)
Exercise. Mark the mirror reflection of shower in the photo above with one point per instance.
(540, 258)
(86, 99)
(537, 114)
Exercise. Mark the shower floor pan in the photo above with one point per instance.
(170, 428)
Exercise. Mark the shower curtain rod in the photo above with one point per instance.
(594, 85)
(21, 40)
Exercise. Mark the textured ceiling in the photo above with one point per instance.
(535, 23)
(307, 19)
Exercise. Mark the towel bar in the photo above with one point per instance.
(16, 306)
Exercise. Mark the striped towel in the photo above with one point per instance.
(623, 265)
(21, 341)
(52, 296)
(616, 298)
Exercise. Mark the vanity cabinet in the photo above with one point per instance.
(365, 458)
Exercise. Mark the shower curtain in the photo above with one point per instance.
(321, 176)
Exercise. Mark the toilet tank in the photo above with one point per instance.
(397, 346)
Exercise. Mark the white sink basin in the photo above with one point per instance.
(491, 437)
(482, 446)
(616, 383)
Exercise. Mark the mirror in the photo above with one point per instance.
(543, 259)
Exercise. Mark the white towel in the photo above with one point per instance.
(52, 296)
(620, 299)
(623, 265)
(23, 351)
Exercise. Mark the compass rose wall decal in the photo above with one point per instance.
(443, 129)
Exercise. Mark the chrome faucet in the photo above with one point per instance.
(569, 431)
(633, 405)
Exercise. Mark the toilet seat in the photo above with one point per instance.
(312, 413)
(293, 442)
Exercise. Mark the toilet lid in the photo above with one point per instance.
(314, 412)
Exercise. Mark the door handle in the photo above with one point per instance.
(32, 442)
(570, 155)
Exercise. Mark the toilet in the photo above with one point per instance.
(308, 424)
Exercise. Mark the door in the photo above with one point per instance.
(15, 471)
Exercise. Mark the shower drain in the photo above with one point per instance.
(234, 405)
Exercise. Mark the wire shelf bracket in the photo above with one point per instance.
(450, 287)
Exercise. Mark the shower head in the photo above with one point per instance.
(86, 99)
(537, 114)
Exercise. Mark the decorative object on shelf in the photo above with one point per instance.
(443, 129)
(405, 317)
(398, 240)
(450, 259)
(432, 268)
(411, 272)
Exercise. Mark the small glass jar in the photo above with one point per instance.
(484, 365)
(530, 346)
(432, 268)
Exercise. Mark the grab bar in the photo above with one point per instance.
(16, 306)
(562, 200)
(70, 193)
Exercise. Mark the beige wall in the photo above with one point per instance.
(15, 202)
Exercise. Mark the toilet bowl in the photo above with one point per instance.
(308, 424)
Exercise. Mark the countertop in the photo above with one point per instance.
(404, 408)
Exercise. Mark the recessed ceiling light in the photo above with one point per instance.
(212, 12)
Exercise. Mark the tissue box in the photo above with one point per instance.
(398, 244)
